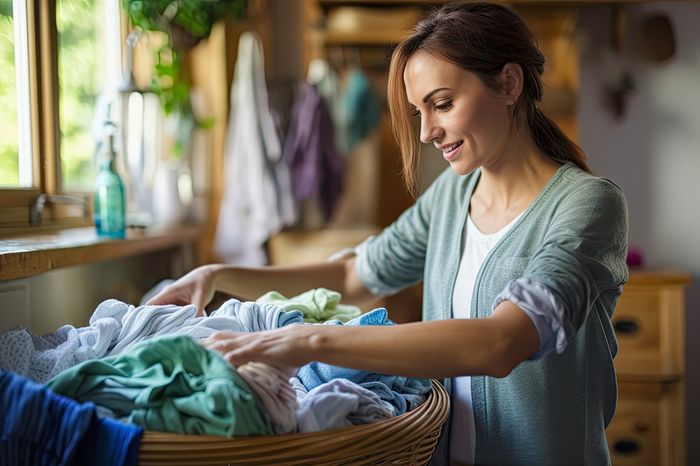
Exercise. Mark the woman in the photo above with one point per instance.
(521, 251)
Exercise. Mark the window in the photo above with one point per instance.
(15, 145)
(88, 59)
(64, 58)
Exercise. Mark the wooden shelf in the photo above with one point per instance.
(388, 37)
(31, 255)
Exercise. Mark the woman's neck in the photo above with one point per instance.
(513, 180)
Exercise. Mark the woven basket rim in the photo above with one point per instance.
(417, 431)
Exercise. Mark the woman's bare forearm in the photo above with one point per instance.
(490, 346)
(252, 282)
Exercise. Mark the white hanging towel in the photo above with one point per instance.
(257, 200)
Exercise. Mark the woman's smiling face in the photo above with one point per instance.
(466, 120)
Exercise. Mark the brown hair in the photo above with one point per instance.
(481, 38)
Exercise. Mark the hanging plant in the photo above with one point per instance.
(186, 23)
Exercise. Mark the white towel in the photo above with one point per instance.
(257, 200)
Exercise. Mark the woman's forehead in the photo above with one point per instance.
(423, 62)
(425, 72)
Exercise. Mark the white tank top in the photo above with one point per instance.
(477, 245)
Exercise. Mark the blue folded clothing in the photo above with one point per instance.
(404, 393)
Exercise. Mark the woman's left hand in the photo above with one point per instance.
(287, 346)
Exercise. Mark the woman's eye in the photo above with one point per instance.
(444, 106)
(416, 113)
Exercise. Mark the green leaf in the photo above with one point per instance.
(6, 8)
(206, 123)
(193, 17)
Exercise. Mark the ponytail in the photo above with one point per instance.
(552, 141)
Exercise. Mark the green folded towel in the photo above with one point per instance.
(318, 305)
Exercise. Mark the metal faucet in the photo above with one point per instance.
(36, 208)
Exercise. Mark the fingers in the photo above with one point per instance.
(233, 346)
(198, 301)
(241, 355)
(167, 296)
(222, 341)
(155, 300)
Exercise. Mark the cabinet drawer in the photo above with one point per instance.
(634, 434)
(648, 323)
(648, 425)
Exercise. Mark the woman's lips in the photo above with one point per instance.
(450, 152)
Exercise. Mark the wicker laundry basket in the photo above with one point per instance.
(406, 439)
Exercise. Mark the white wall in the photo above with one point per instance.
(653, 152)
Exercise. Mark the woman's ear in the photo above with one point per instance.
(511, 81)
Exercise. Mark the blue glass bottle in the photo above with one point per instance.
(109, 201)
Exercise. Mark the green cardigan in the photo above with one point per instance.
(572, 240)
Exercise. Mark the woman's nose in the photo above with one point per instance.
(429, 131)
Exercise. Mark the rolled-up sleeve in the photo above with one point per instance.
(583, 256)
(543, 309)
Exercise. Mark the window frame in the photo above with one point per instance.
(61, 209)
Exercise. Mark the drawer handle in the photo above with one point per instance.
(626, 327)
(627, 447)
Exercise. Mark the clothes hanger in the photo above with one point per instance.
(319, 67)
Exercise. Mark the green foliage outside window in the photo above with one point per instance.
(9, 138)
(81, 78)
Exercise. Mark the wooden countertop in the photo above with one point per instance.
(32, 255)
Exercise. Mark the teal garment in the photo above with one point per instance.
(362, 114)
(318, 305)
(572, 240)
(168, 384)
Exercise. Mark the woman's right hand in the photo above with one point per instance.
(197, 287)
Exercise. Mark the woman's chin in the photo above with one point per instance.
(461, 167)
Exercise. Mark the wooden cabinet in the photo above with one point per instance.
(649, 424)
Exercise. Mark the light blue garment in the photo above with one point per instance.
(116, 326)
(378, 316)
(391, 388)
(39, 427)
(338, 403)
(40, 358)
(571, 241)
(141, 323)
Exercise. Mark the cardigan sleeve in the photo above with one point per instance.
(395, 259)
(583, 255)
